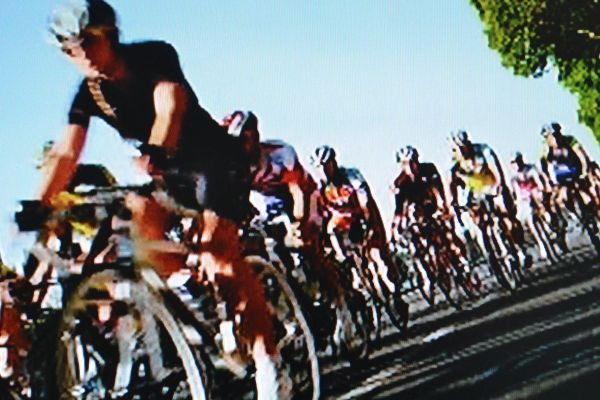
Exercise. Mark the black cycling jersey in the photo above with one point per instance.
(564, 155)
(129, 104)
(419, 189)
(210, 169)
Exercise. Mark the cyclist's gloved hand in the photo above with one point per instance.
(159, 156)
(32, 216)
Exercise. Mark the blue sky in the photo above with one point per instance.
(364, 76)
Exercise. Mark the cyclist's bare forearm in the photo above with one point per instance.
(62, 162)
(298, 200)
(170, 103)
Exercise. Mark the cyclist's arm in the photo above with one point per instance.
(62, 162)
(399, 213)
(440, 190)
(495, 167)
(439, 199)
(455, 182)
(298, 199)
(297, 179)
(583, 157)
(374, 216)
(170, 104)
(364, 201)
(539, 180)
(516, 192)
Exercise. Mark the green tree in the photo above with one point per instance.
(533, 36)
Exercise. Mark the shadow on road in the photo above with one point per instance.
(543, 341)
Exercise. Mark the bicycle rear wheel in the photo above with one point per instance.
(502, 265)
(425, 281)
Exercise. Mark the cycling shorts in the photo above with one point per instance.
(566, 174)
(218, 182)
(528, 190)
(480, 183)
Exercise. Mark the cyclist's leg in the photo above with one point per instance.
(222, 191)
(384, 268)
(149, 223)
(536, 236)
(325, 270)
(515, 231)
(244, 295)
(336, 246)
(388, 273)
(125, 335)
(13, 342)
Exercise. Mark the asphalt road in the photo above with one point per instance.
(540, 342)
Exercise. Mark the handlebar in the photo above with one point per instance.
(34, 214)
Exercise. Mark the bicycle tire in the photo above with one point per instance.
(189, 374)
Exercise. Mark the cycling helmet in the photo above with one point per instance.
(460, 137)
(546, 130)
(553, 128)
(240, 121)
(322, 155)
(69, 21)
(517, 157)
(407, 153)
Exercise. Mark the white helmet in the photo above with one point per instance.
(68, 21)
(407, 153)
(322, 155)
(239, 121)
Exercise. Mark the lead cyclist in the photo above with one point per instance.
(140, 90)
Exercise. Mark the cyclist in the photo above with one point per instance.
(418, 188)
(140, 90)
(419, 196)
(478, 170)
(528, 187)
(565, 162)
(275, 169)
(11, 284)
(277, 172)
(350, 208)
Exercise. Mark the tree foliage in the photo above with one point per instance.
(532, 36)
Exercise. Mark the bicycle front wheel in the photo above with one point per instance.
(294, 338)
(118, 340)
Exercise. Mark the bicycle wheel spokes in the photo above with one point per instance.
(125, 344)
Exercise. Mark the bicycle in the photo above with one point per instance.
(503, 251)
(585, 212)
(351, 252)
(437, 261)
(270, 236)
(124, 331)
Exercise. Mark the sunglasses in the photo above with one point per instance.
(84, 40)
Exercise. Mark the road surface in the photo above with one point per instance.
(540, 342)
